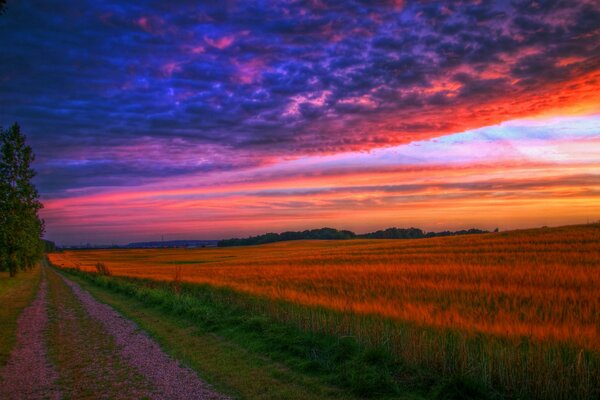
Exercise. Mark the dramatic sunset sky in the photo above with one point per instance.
(228, 118)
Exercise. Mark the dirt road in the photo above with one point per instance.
(71, 346)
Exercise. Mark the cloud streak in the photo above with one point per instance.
(510, 175)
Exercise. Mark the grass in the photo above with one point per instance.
(15, 294)
(516, 313)
(251, 355)
(225, 354)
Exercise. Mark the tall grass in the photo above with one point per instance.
(365, 371)
(102, 269)
(516, 311)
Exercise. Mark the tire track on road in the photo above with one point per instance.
(28, 373)
(108, 356)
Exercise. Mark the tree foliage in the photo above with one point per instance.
(319, 234)
(21, 229)
(334, 234)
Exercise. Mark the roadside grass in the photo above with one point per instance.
(230, 367)
(253, 355)
(15, 294)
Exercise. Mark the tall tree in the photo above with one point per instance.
(21, 229)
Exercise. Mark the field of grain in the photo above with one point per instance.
(514, 307)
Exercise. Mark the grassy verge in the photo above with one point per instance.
(230, 367)
(15, 294)
(241, 348)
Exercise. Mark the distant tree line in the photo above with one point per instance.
(415, 233)
(21, 229)
(319, 234)
(334, 234)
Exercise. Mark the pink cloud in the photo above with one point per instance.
(151, 24)
(220, 43)
(249, 71)
(197, 49)
(170, 68)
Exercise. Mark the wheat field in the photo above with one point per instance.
(514, 306)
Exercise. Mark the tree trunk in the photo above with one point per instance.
(12, 264)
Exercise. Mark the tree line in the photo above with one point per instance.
(21, 229)
(334, 234)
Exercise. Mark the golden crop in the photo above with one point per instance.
(541, 284)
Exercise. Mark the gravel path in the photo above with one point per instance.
(97, 354)
(28, 373)
(169, 379)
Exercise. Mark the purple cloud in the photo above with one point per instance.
(232, 84)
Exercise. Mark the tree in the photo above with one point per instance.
(50, 247)
(2, 6)
(21, 229)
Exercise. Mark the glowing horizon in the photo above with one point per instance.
(518, 174)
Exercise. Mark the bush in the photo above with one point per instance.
(102, 269)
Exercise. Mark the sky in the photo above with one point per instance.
(209, 120)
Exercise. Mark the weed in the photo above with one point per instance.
(102, 269)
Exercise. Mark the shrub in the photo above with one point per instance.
(102, 269)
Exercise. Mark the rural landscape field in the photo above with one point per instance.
(516, 310)
(300, 200)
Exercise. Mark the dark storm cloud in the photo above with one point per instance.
(89, 78)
